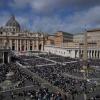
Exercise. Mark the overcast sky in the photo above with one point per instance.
(52, 15)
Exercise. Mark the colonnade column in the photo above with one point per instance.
(20, 46)
(3, 57)
(88, 52)
(37, 44)
(42, 45)
(10, 44)
(33, 45)
(28, 45)
(25, 45)
(17, 45)
(96, 54)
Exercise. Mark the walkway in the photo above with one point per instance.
(56, 61)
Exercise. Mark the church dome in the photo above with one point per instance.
(13, 23)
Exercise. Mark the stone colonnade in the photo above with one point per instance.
(94, 54)
(73, 52)
(25, 44)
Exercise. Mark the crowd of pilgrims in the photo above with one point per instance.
(54, 74)
(37, 92)
(64, 65)
(51, 73)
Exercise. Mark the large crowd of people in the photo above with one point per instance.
(3, 71)
(55, 73)
(29, 61)
(26, 87)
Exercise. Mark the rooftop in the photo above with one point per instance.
(93, 30)
(65, 33)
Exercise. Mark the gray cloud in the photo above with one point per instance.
(47, 6)
(19, 3)
(3, 18)
(71, 23)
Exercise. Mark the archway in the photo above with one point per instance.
(40, 47)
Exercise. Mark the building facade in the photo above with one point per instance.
(18, 40)
(61, 38)
(74, 45)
